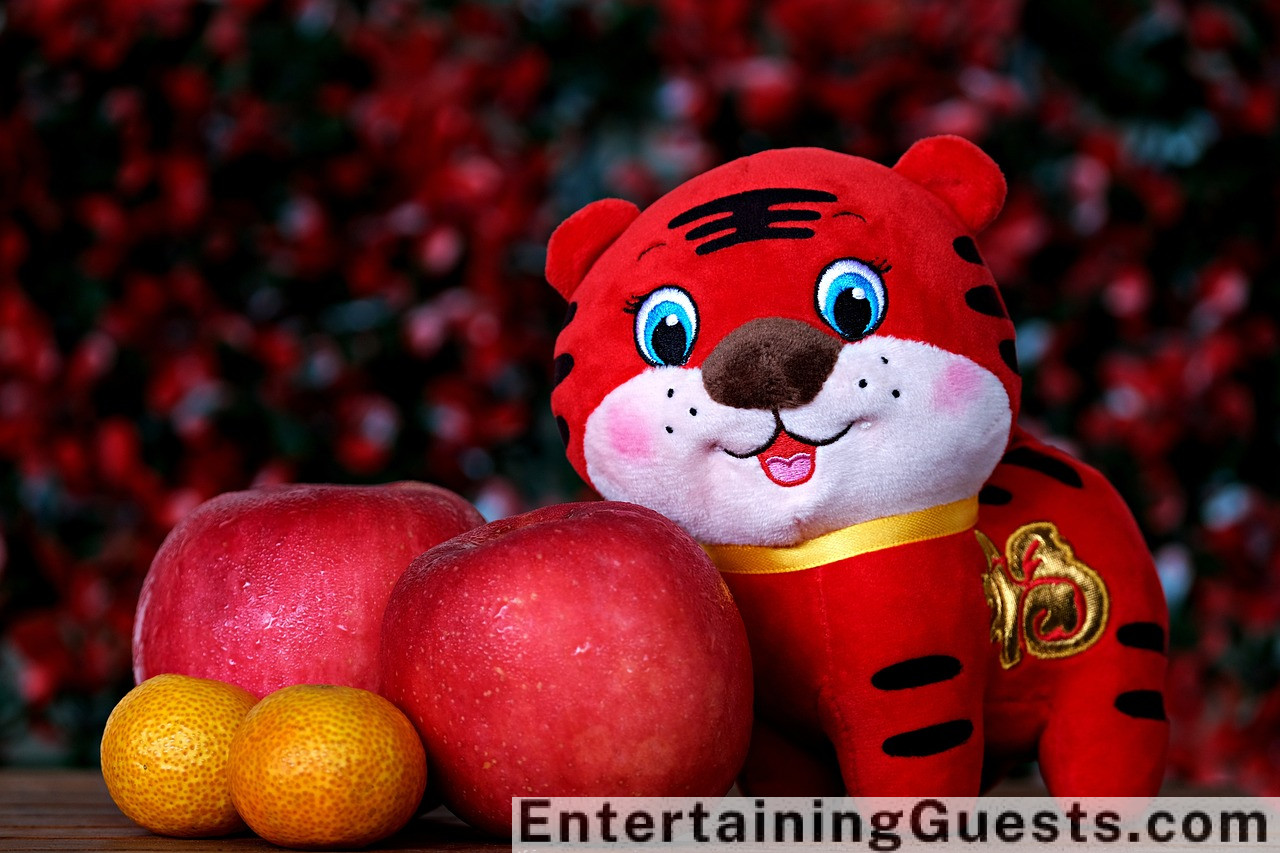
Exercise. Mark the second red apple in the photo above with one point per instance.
(577, 650)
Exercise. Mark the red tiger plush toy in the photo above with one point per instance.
(801, 358)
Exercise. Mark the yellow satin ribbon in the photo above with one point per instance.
(876, 535)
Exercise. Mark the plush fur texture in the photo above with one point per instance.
(803, 348)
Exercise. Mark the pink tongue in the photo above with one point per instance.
(788, 462)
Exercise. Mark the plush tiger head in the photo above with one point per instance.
(789, 344)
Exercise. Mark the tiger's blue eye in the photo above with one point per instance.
(850, 298)
(666, 326)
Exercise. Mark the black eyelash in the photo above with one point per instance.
(634, 303)
(880, 265)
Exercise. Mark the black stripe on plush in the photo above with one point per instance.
(569, 314)
(985, 300)
(1009, 354)
(1142, 635)
(917, 672)
(563, 364)
(994, 495)
(563, 426)
(1141, 704)
(929, 740)
(1026, 457)
(967, 249)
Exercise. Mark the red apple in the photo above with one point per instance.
(286, 584)
(578, 650)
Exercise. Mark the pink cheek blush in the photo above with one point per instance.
(629, 433)
(958, 385)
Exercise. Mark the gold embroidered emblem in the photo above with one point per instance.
(1041, 596)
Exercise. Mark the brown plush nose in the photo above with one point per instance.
(769, 363)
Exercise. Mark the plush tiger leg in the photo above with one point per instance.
(921, 742)
(886, 652)
(1082, 624)
(783, 764)
(1107, 733)
(909, 649)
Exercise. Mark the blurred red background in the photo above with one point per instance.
(249, 242)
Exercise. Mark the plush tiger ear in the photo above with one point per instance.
(582, 238)
(958, 172)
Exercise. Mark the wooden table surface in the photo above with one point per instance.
(43, 810)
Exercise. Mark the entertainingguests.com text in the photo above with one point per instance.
(894, 824)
